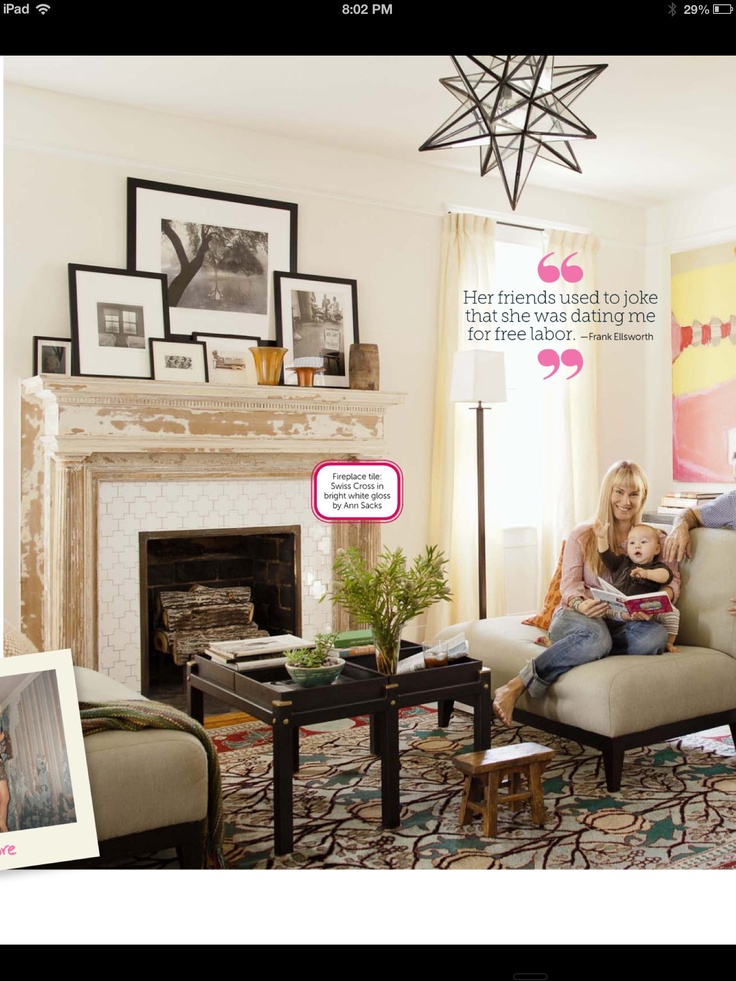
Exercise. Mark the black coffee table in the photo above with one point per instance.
(270, 695)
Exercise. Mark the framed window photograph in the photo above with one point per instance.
(218, 252)
(52, 356)
(229, 360)
(46, 812)
(114, 314)
(179, 361)
(317, 317)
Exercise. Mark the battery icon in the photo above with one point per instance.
(722, 8)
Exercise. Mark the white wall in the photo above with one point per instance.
(360, 216)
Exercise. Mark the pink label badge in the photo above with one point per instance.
(357, 491)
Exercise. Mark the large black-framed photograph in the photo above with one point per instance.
(52, 355)
(179, 361)
(114, 314)
(317, 317)
(229, 360)
(218, 252)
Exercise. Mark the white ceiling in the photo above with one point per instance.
(665, 125)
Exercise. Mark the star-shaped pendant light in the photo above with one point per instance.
(515, 108)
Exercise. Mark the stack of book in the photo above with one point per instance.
(677, 501)
(255, 652)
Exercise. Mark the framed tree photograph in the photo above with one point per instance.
(317, 317)
(218, 252)
(180, 361)
(114, 314)
(229, 361)
(52, 356)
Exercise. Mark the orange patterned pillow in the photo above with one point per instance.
(551, 600)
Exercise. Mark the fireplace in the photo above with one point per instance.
(105, 461)
(266, 561)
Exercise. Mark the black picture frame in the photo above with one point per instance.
(232, 293)
(317, 316)
(229, 362)
(114, 344)
(181, 351)
(52, 355)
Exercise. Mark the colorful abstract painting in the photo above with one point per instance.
(704, 363)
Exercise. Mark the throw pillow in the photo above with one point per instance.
(551, 600)
(14, 642)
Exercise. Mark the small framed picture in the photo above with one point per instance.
(317, 316)
(115, 313)
(180, 361)
(218, 251)
(229, 361)
(52, 356)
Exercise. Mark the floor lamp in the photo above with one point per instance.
(479, 376)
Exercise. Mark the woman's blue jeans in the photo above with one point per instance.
(577, 639)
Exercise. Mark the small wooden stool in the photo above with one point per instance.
(489, 767)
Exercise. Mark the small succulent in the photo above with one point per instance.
(313, 657)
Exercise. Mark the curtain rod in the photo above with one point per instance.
(537, 224)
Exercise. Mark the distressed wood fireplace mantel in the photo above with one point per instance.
(79, 432)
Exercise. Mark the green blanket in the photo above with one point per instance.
(133, 715)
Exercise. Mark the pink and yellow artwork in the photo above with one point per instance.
(703, 362)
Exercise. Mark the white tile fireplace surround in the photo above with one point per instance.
(106, 459)
(129, 507)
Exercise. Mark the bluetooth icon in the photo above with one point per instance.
(673, 9)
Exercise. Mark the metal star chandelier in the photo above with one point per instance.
(516, 108)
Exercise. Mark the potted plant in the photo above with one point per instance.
(318, 665)
(390, 594)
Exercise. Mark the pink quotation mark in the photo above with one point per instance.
(571, 358)
(550, 273)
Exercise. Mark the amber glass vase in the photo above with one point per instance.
(268, 363)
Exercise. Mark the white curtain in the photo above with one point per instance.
(467, 263)
(569, 460)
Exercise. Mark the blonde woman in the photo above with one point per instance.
(579, 632)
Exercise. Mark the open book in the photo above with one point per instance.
(621, 603)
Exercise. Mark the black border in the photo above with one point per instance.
(352, 283)
(74, 268)
(172, 340)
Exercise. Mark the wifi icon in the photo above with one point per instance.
(43, 8)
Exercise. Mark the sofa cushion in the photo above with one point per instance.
(15, 643)
(614, 696)
(708, 583)
(144, 780)
(92, 686)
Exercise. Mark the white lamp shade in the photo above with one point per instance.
(478, 376)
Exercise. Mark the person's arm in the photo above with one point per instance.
(573, 588)
(661, 575)
(677, 544)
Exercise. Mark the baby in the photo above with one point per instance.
(639, 571)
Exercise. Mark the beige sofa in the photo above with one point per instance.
(623, 702)
(149, 787)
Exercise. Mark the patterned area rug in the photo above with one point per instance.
(676, 808)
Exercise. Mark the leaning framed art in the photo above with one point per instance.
(218, 252)
(180, 361)
(317, 317)
(229, 361)
(114, 314)
(52, 356)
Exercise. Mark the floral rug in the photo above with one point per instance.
(676, 808)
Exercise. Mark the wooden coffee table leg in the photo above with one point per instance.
(283, 788)
(482, 714)
(387, 723)
(444, 712)
(195, 702)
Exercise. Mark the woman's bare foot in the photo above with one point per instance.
(506, 698)
(543, 642)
